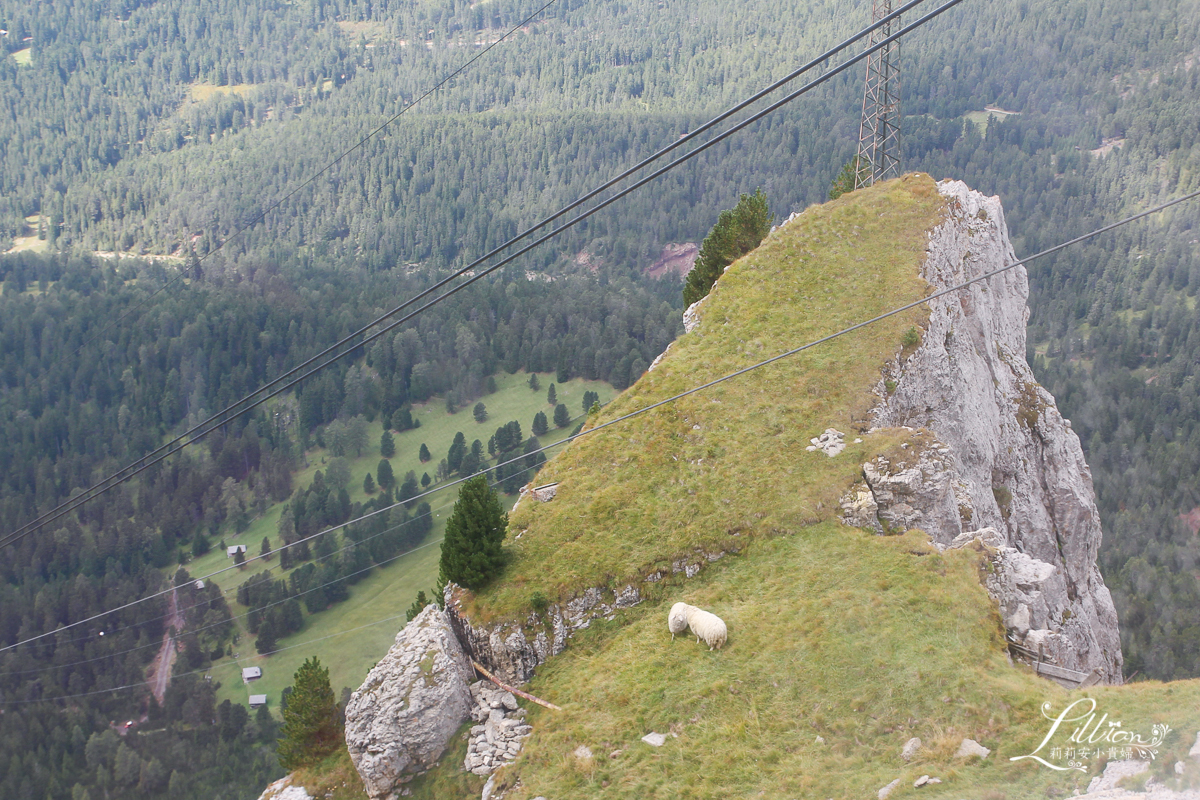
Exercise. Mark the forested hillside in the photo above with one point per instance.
(72, 409)
(162, 127)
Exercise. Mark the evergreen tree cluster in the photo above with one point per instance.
(737, 232)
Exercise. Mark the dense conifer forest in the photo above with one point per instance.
(160, 128)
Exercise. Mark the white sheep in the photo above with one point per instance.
(706, 626)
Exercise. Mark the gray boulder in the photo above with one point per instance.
(399, 721)
(971, 748)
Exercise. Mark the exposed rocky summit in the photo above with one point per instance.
(399, 721)
(998, 454)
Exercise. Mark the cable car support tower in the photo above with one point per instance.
(879, 131)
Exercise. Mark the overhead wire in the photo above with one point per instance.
(170, 448)
(794, 351)
(320, 559)
(297, 543)
(206, 669)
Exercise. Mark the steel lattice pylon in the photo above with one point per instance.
(879, 132)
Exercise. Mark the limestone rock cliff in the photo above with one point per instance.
(399, 721)
(1001, 455)
(512, 651)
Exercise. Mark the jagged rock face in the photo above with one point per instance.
(401, 718)
(512, 651)
(1005, 457)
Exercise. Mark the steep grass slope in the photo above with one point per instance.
(727, 465)
(863, 641)
(842, 644)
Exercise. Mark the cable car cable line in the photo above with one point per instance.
(159, 455)
(694, 390)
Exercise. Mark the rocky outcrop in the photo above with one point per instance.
(1001, 455)
(283, 789)
(399, 721)
(512, 651)
(918, 489)
(501, 731)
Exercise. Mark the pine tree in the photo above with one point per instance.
(417, 605)
(562, 417)
(844, 182)
(312, 724)
(408, 489)
(424, 453)
(387, 444)
(471, 553)
(480, 412)
(534, 458)
(589, 399)
(552, 396)
(384, 475)
(268, 635)
(737, 232)
(540, 425)
(458, 449)
(426, 480)
(265, 550)
(534, 383)
(368, 484)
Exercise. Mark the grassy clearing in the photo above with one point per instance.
(388, 590)
(980, 118)
(369, 30)
(724, 466)
(199, 92)
(24, 57)
(385, 592)
(512, 400)
(29, 241)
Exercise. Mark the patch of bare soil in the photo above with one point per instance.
(675, 259)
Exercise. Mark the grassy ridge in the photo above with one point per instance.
(719, 467)
(861, 640)
(864, 641)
